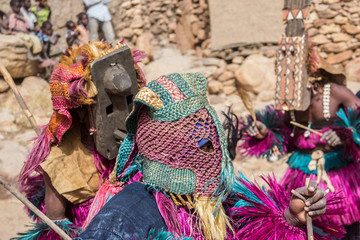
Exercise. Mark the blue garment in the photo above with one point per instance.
(358, 94)
(130, 214)
(43, 37)
(334, 160)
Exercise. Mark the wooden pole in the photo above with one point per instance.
(19, 98)
(306, 128)
(245, 97)
(31, 206)
(5, 183)
(309, 226)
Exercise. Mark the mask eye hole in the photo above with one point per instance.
(109, 109)
(206, 145)
(129, 99)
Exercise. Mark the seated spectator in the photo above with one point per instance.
(17, 22)
(51, 49)
(83, 33)
(42, 12)
(19, 26)
(29, 15)
(4, 22)
(71, 35)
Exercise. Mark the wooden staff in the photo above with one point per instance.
(19, 98)
(31, 206)
(245, 97)
(306, 128)
(5, 183)
(309, 226)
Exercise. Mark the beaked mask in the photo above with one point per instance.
(115, 79)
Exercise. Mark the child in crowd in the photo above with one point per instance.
(83, 33)
(4, 22)
(17, 22)
(19, 26)
(79, 34)
(29, 15)
(42, 12)
(71, 35)
(51, 49)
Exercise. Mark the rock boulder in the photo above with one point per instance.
(257, 74)
(352, 70)
(13, 55)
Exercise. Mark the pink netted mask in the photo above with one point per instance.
(182, 157)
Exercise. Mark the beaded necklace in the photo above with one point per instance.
(326, 110)
(326, 101)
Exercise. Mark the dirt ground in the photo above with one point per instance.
(14, 219)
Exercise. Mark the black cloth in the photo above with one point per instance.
(352, 231)
(130, 214)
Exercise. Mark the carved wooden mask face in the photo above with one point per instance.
(292, 92)
(115, 79)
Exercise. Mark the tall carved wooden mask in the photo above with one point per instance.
(292, 90)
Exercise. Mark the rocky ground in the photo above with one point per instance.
(16, 133)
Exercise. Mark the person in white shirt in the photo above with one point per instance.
(28, 15)
(99, 17)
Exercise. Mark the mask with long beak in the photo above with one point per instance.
(115, 80)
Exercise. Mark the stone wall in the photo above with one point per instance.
(144, 24)
(334, 25)
(184, 22)
(245, 21)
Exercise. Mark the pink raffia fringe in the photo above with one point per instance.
(264, 219)
(182, 222)
(138, 56)
(346, 182)
(80, 212)
(279, 134)
(37, 155)
(104, 194)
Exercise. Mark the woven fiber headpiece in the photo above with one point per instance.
(71, 86)
(167, 129)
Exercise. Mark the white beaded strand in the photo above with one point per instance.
(326, 101)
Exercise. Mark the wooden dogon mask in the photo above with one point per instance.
(115, 79)
(292, 91)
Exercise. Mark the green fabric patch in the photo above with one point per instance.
(178, 181)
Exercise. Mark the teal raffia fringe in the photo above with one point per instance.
(41, 231)
(348, 129)
(334, 160)
(165, 235)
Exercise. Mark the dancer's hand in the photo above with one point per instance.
(331, 138)
(258, 130)
(315, 205)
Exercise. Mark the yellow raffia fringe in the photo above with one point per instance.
(213, 227)
(91, 51)
(180, 201)
(149, 96)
